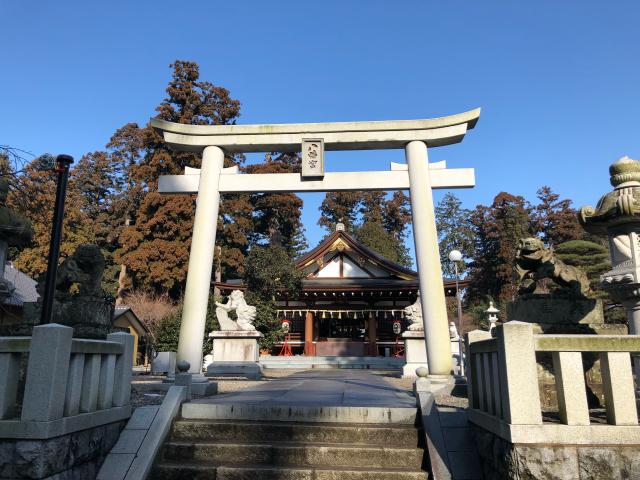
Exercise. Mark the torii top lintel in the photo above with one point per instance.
(379, 135)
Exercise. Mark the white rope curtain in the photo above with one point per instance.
(340, 314)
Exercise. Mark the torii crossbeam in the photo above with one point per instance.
(417, 175)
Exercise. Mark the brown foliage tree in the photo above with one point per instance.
(554, 219)
(497, 229)
(155, 248)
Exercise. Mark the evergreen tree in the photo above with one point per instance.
(455, 232)
(269, 269)
(497, 230)
(278, 213)
(375, 236)
(155, 248)
(590, 257)
(381, 221)
(554, 219)
(340, 207)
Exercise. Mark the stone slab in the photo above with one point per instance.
(300, 413)
(250, 370)
(156, 435)
(312, 396)
(142, 418)
(115, 466)
(201, 389)
(129, 441)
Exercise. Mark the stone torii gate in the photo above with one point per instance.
(420, 177)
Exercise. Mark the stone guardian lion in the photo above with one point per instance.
(245, 314)
(535, 262)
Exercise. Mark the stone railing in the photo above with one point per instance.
(504, 396)
(52, 384)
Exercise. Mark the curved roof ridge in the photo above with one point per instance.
(358, 246)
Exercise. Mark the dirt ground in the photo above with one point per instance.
(145, 388)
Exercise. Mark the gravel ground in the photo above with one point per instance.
(145, 388)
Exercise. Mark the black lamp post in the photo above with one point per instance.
(63, 162)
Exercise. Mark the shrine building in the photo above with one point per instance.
(351, 297)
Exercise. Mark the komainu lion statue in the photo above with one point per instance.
(84, 268)
(245, 314)
(535, 262)
(413, 313)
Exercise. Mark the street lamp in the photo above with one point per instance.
(63, 162)
(455, 256)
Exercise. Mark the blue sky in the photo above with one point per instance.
(558, 82)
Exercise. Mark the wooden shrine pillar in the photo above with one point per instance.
(373, 335)
(309, 347)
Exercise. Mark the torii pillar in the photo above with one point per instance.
(203, 241)
(425, 236)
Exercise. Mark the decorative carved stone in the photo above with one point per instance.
(413, 313)
(79, 300)
(245, 314)
(312, 158)
(534, 262)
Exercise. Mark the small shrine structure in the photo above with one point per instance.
(351, 297)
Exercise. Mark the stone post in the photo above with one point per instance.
(434, 310)
(196, 295)
(47, 371)
(123, 368)
(184, 378)
(617, 216)
(473, 383)
(518, 374)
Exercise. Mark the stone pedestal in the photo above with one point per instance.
(415, 352)
(557, 314)
(235, 354)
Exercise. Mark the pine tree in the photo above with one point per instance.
(590, 257)
(340, 207)
(497, 230)
(455, 232)
(155, 248)
(270, 268)
(378, 221)
(278, 214)
(375, 236)
(554, 219)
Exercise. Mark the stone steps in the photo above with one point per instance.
(305, 362)
(193, 471)
(249, 449)
(295, 454)
(299, 413)
(265, 432)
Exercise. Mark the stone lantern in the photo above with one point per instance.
(617, 215)
(492, 316)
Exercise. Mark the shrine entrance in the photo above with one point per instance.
(417, 175)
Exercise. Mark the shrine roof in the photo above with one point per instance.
(341, 242)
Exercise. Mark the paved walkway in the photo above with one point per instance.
(345, 388)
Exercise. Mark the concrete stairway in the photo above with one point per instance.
(278, 450)
(306, 362)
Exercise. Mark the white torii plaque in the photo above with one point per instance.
(420, 177)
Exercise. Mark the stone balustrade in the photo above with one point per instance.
(504, 396)
(52, 384)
